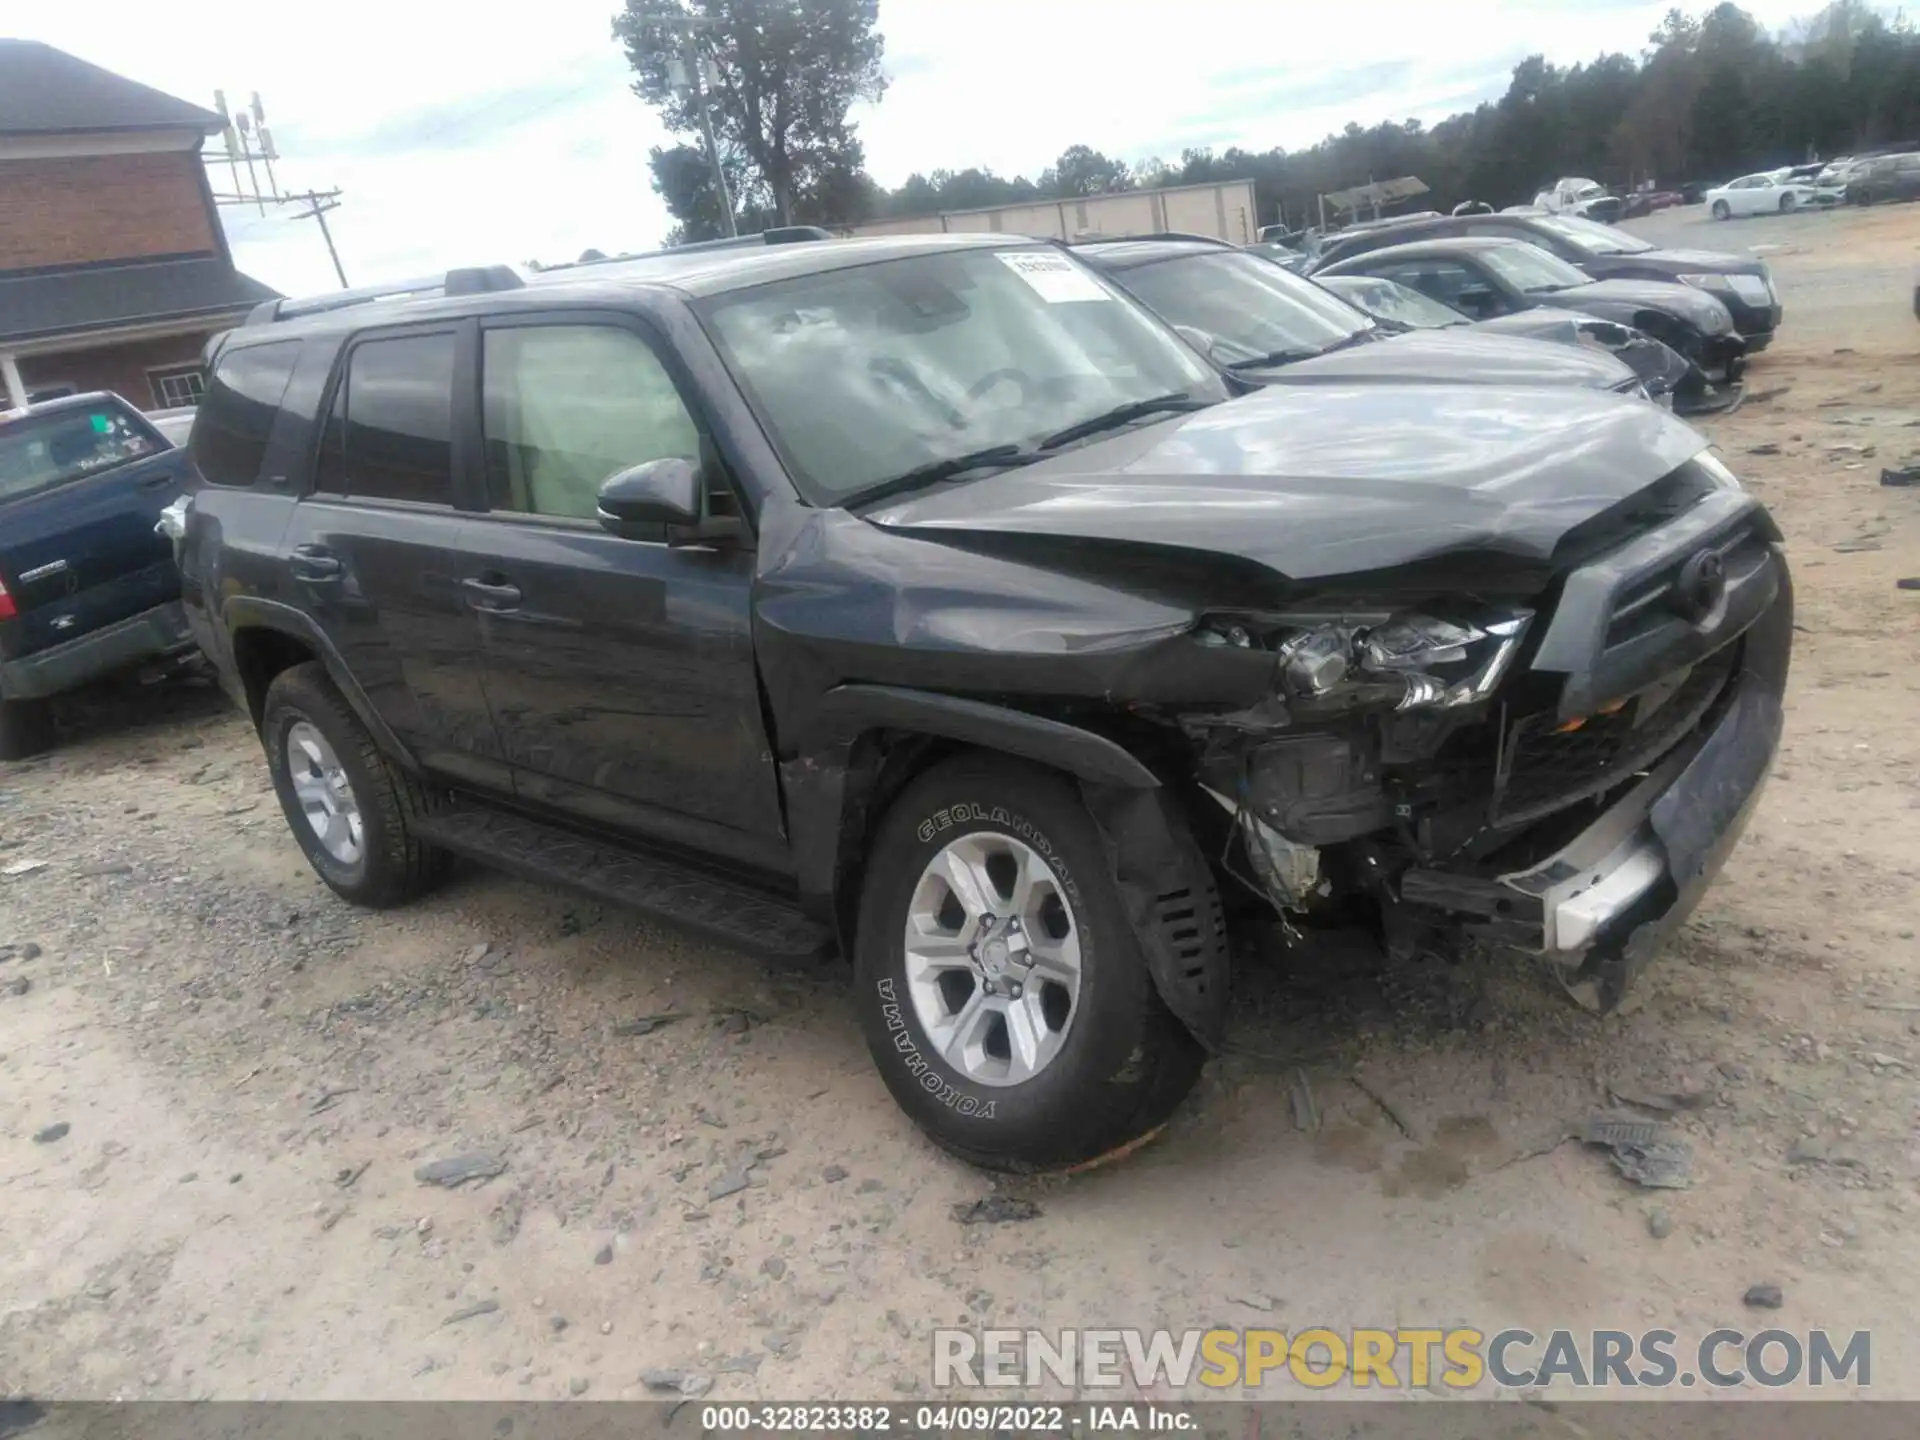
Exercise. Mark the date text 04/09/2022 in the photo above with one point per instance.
(960, 1418)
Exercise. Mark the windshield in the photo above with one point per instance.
(1593, 237)
(865, 373)
(1529, 269)
(1247, 307)
(1390, 300)
(46, 450)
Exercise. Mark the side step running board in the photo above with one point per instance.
(717, 907)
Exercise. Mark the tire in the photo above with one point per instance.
(390, 866)
(26, 728)
(1722, 211)
(1786, 203)
(1119, 1061)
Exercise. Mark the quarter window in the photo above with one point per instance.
(236, 414)
(390, 436)
(566, 406)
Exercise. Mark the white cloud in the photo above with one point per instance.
(461, 139)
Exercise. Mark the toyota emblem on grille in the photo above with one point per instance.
(1699, 587)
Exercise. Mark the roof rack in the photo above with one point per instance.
(466, 280)
(778, 235)
(1098, 239)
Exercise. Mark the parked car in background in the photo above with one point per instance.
(1482, 278)
(86, 586)
(1261, 325)
(1396, 307)
(1284, 256)
(1886, 177)
(1830, 185)
(1758, 195)
(1741, 283)
(175, 424)
(927, 595)
(1588, 199)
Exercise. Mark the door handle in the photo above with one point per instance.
(496, 598)
(154, 482)
(315, 563)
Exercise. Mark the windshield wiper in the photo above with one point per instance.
(1120, 415)
(937, 470)
(1358, 337)
(1271, 359)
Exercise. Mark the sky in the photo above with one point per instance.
(458, 140)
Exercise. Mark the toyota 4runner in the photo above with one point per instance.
(926, 598)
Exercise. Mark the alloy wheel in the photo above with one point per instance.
(993, 958)
(325, 795)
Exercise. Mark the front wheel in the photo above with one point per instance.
(1787, 203)
(1003, 994)
(1722, 211)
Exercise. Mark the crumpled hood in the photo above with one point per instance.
(1458, 357)
(1617, 299)
(1315, 482)
(1691, 262)
(1560, 326)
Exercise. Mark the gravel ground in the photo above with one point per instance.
(250, 1073)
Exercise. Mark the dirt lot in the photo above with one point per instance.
(251, 1071)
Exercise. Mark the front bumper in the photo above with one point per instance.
(1755, 323)
(1599, 908)
(157, 634)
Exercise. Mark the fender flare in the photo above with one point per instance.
(251, 612)
(848, 710)
(1166, 886)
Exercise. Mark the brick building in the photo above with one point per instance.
(114, 270)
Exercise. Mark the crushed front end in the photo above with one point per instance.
(1561, 773)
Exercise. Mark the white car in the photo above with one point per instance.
(1763, 194)
(1577, 195)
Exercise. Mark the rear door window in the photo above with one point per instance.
(236, 415)
(390, 433)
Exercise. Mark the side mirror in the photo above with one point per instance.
(670, 492)
(658, 492)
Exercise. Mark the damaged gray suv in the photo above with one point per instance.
(926, 599)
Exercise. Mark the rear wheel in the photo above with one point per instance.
(26, 728)
(350, 808)
(1003, 994)
(1722, 211)
(1787, 202)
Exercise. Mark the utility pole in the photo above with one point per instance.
(321, 201)
(245, 139)
(713, 145)
(685, 73)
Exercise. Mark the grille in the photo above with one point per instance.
(1543, 769)
(1640, 608)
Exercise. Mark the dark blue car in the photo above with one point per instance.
(87, 587)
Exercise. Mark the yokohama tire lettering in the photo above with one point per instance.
(925, 1074)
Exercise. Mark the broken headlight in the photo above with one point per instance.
(1403, 661)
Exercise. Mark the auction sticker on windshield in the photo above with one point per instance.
(1053, 277)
